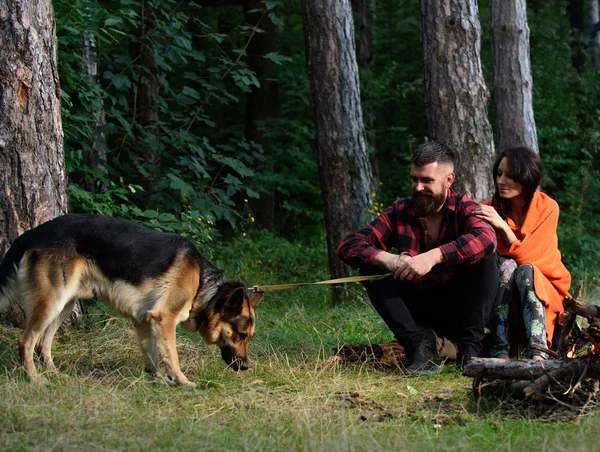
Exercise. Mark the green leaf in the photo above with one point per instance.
(167, 218)
(112, 21)
(277, 58)
(150, 213)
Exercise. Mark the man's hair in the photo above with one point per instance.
(432, 152)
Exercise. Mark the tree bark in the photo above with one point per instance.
(456, 95)
(33, 187)
(261, 103)
(526, 369)
(344, 167)
(513, 82)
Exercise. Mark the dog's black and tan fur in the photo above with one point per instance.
(157, 279)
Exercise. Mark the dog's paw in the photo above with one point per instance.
(38, 380)
(181, 381)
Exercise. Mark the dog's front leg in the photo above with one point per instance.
(164, 326)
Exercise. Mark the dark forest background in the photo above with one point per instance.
(195, 117)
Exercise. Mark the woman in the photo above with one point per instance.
(525, 221)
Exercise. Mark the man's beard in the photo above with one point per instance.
(424, 204)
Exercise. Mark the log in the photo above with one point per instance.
(564, 342)
(581, 308)
(526, 369)
(565, 336)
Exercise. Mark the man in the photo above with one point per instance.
(446, 274)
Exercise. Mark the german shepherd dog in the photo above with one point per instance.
(157, 279)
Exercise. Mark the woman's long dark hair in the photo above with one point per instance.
(524, 167)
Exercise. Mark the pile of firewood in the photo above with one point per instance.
(570, 381)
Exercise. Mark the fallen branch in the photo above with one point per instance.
(569, 324)
(524, 369)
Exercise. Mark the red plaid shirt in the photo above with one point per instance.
(463, 237)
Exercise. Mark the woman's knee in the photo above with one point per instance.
(507, 268)
(524, 271)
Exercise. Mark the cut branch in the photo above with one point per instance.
(529, 369)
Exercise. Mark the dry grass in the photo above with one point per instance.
(292, 398)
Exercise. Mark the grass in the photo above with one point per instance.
(292, 398)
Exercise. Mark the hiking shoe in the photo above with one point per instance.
(425, 359)
(462, 359)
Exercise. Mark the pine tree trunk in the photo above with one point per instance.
(344, 166)
(456, 95)
(34, 181)
(515, 124)
(33, 186)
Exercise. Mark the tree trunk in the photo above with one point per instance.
(344, 167)
(456, 95)
(365, 14)
(33, 187)
(145, 112)
(261, 103)
(575, 11)
(34, 182)
(515, 125)
(595, 34)
(96, 157)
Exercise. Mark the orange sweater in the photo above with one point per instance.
(537, 244)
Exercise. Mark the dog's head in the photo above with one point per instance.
(230, 323)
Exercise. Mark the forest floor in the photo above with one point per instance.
(293, 397)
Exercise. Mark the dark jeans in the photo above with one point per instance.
(457, 310)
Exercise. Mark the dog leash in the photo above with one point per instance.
(347, 279)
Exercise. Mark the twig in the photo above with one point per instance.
(585, 405)
(588, 361)
(541, 348)
(560, 402)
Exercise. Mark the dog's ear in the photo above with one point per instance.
(234, 303)
(256, 298)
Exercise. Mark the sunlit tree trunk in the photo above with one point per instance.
(33, 186)
(456, 95)
(515, 124)
(344, 166)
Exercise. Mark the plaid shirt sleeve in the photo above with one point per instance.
(380, 235)
(477, 241)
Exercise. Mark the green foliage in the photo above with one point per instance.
(169, 146)
(183, 153)
(566, 105)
